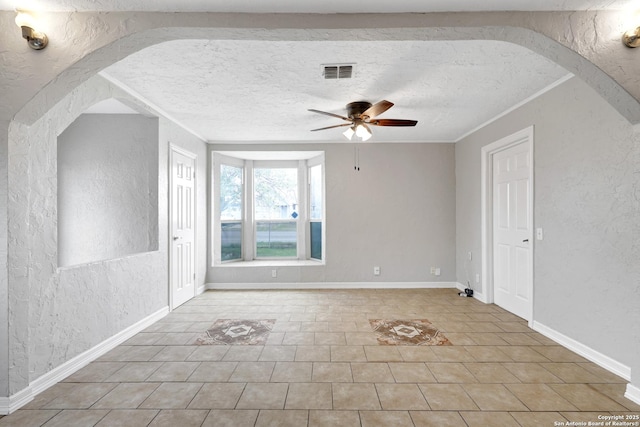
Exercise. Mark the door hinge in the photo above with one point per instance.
(194, 276)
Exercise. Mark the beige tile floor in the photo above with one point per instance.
(322, 366)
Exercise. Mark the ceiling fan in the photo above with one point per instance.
(360, 115)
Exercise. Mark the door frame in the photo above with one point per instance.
(524, 136)
(176, 149)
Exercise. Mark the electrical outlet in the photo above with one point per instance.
(477, 277)
(274, 273)
(376, 270)
(437, 271)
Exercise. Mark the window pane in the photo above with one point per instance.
(316, 240)
(275, 193)
(276, 239)
(230, 192)
(231, 237)
(315, 192)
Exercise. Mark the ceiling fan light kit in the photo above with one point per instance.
(360, 115)
(349, 133)
(363, 132)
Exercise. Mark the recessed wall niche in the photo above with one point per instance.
(107, 188)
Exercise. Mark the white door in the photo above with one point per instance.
(182, 238)
(512, 285)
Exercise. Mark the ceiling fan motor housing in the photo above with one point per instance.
(355, 109)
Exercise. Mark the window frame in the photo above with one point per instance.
(311, 163)
(217, 222)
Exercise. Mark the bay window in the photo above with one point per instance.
(268, 209)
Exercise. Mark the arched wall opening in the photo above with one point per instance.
(66, 97)
(424, 27)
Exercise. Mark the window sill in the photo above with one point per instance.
(272, 263)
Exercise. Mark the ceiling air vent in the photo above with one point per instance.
(337, 71)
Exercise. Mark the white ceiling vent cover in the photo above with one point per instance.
(338, 71)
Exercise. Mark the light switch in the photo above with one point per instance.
(539, 235)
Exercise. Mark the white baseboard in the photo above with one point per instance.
(40, 384)
(587, 352)
(633, 393)
(332, 285)
(16, 401)
(481, 297)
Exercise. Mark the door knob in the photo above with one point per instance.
(524, 241)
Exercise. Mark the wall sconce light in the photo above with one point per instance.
(36, 39)
(631, 38)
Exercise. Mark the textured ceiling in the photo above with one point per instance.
(261, 90)
(305, 6)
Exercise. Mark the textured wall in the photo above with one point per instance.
(587, 188)
(55, 314)
(397, 212)
(107, 188)
(4, 289)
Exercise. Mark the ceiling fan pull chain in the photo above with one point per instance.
(355, 158)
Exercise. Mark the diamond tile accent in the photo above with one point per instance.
(407, 332)
(237, 332)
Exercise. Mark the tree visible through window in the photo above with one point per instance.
(275, 193)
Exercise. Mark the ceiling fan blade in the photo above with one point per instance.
(329, 114)
(331, 127)
(392, 122)
(377, 108)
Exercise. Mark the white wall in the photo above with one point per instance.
(63, 313)
(587, 188)
(107, 188)
(57, 314)
(397, 212)
(4, 288)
